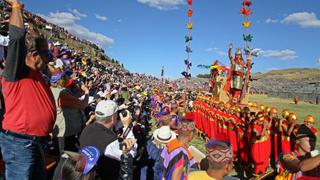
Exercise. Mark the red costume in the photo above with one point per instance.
(260, 147)
(285, 138)
(232, 132)
(242, 140)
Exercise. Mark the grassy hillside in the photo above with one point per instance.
(290, 74)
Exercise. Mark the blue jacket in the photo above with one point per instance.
(153, 168)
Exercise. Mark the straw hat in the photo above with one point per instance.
(164, 134)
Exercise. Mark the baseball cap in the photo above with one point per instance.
(87, 158)
(91, 155)
(106, 108)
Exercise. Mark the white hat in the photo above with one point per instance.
(106, 108)
(164, 134)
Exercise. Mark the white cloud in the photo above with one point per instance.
(318, 61)
(269, 20)
(68, 21)
(303, 19)
(119, 20)
(102, 18)
(77, 13)
(285, 54)
(219, 52)
(163, 4)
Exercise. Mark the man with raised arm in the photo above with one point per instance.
(30, 107)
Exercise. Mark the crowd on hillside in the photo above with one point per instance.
(103, 122)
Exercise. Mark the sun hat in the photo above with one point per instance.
(164, 134)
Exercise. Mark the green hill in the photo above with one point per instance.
(310, 74)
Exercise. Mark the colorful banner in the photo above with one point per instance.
(247, 38)
(188, 39)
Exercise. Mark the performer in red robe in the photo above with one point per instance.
(309, 121)
(293, 129)
(260, 145)
(242, 123)
(284, 132)
(274, 136)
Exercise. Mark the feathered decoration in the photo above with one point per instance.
(247, 38)
(246, 11)
(188, 38)
(186, 75)
(247, 50)
(214, 67)
(188, 49)
(189, 26)
(252, 52)
(187, 63)
(190, 12)
(221, 68)
(246, 24)
(247, 3)
(202, 66)
(255, 52)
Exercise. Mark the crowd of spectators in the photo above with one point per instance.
(95, 116)
(99, 119)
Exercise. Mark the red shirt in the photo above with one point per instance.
(30, 106)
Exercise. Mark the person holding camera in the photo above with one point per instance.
(101, 135)
(124, 132)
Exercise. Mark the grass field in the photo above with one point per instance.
(302, 109)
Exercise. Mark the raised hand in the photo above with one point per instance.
(12, 1)
(230, 46)
(129, 143)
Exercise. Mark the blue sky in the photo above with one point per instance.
(148, 34)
